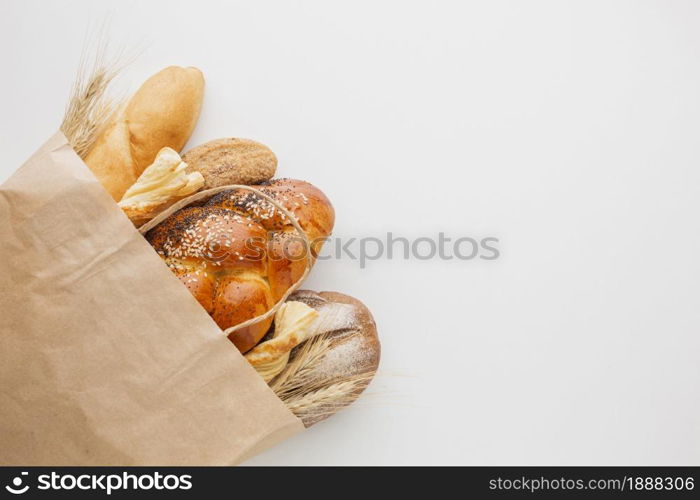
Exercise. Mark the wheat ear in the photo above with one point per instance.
(330, 398)
(307, 398)
(90, 107)
(297, 372)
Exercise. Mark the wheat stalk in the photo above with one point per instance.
(328, 399)
(297, 372)
(311, 399)
(90, 107)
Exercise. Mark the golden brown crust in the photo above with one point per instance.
(238, 298)
(250, 253)
(311, 207)
(282, 270)
(110, 158)
(162, 113)
(231, 161)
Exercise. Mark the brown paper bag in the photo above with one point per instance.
(105, 358)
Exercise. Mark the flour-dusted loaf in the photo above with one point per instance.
(162, 113)
(345, 366)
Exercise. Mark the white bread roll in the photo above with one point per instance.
(162, 113)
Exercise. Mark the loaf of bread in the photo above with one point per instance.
(238, 254)
(335, 362)
(231, 161)
(162, 113)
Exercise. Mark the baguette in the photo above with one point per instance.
(162, 113)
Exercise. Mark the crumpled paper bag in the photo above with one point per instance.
(105, 358)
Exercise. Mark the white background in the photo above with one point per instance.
(569, 130)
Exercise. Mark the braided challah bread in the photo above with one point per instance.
(238, 254)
